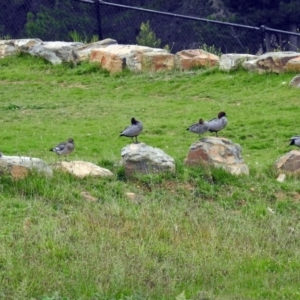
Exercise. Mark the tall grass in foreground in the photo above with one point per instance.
(195, 234)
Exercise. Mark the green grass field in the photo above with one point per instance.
(196, 234)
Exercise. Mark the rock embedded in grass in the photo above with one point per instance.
(20, 166)
(13, 47)
(143, 159)
(56, 52)
(82, 169)
(289, 163)
(192, 58)
(233, 61)
(217, 152)
(271, 62)
(295, 82)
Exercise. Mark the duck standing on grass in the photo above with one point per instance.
(64, 148)
(133, 130)
(217, 124)
(295, 140)
(199, 128)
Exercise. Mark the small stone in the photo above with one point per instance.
(131, 196)
(27, 225)
(281, 178)
(270, 210)
(87, 196)
(175, 227)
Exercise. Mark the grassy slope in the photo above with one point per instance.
(203, 232)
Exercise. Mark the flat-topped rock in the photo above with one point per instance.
(115, 58)
(193, 58)
(81, 169)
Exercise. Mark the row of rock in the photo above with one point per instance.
(110, 55)
(19, 167)
(138, 158)
(115, 57)
(144, 159)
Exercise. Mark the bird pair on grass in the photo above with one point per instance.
(213, 125)
(219, 123)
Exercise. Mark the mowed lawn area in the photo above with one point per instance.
(196, 234)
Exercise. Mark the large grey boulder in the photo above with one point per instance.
(56, 52)
(82, 169)
(232, 61)
(23, 45)
(217, 152)
(275, 62)
(143, 159)
(20, 166)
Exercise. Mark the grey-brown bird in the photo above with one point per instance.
(199, 128)
(295, 140)
(64, 148)
(217, 124)
(133, 130)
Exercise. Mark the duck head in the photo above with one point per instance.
(133, 121)
(221, 114)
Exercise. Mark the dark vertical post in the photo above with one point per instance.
(98, 15)
(263, 38)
